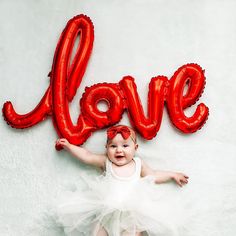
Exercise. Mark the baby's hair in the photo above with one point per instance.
(132, 132)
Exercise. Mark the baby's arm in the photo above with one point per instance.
(164, 176)
(83, 154)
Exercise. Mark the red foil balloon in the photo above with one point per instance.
(66, 78)
(147, 126)
(32, 118)
(193, 75)
(110, 93)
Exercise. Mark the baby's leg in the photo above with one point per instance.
(100, 231)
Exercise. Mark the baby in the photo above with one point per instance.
(115, 212)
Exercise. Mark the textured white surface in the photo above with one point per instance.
(139, 38)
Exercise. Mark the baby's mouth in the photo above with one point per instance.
(119, 156)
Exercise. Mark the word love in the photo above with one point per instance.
(66, 76)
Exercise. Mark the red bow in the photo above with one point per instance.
(124, 131)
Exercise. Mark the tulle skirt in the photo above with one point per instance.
(119, 207)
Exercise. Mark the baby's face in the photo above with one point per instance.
(121, 151)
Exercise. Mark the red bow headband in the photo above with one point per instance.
(123, 130)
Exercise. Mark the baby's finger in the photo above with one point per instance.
(185, 180)
(179, 183)
(61, 140)
(57, 141)
(63, 143)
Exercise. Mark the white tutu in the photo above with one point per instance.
(119, 204)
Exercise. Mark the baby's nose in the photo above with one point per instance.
(119, 149)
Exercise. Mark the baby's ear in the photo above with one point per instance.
(136, 146)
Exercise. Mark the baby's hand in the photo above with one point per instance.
(63, 143)
(180, 178)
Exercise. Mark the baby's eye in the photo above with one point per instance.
(125, 145)
(113, 146)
